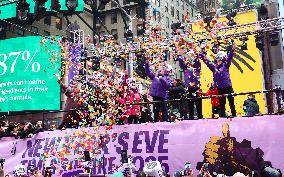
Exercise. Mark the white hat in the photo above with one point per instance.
(238, 174)
(220, 55)
(169, 68)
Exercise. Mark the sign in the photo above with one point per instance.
(27, 80)
(9, 11)
(253, 143)
(246, 68)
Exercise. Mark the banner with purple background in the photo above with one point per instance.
(253, 143)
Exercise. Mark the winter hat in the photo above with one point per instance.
(220, 56)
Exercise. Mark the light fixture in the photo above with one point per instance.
(40, 9)
(72, 5)
(263, 12)
(274, 38)
(259, 41)
(55, 5)
(22, 10)
(244, 45)
(231, 17)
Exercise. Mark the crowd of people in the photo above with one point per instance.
(19, 130)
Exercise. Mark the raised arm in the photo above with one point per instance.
(230, 56)
(181, 63)
(148, 71)
(207, 61)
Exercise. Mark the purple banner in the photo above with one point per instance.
(246, 143)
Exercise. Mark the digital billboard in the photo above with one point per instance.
(9, 11)
(27, 80)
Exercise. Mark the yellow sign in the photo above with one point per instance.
(246, 70)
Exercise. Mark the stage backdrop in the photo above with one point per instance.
(243, 143)
(246, 69)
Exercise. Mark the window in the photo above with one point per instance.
(166, 7)
(46, 33)
(172, 11)
(177, 2)
(192, 12)
(158, 16)
(183, 20)
(20, 32)
(125, 2)
(113, 4)
(182, 5)
(113, 18)
(168, 22)
(35, 30)
(177, 14)
(140, 30)
(102, 33)
(159, 3)
(47, 20)
(139, 12)
(103, 19)
(114, 33)
(58, 23)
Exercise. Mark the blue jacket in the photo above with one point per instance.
(221, 72)
(192, 74)
(160, 85)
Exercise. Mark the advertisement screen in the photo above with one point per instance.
(9, 11)
(27, 80)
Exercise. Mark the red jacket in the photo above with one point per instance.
(214, 101)
(132, 97)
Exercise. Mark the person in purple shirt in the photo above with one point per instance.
(158, 90)
(192, 83)
(222, 80)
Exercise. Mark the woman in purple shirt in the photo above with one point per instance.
(222, 80)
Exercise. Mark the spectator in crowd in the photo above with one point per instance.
(71, 118)
(222, 80)
(251, 106)
(177, 91)
(133, 111)
(159, 88)
(214, 100)
(192, 83)
(145, 109)
(204, 172)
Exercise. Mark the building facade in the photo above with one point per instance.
(207, 6)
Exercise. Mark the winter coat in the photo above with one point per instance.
(132, 110)
(215, 100)
(251, 107)
(160, 84)
(221, 72)
(176, 92)
(192, 74)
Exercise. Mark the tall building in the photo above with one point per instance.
(160, 12)
(207, 6)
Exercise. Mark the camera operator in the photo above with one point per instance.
(204, 172)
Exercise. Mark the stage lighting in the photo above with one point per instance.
(259, 41)
(22, 10)
(40, 9)
(231, 17)
(263, 12)
(244, 45)
(274, 38)
(71, 5)
(55, 5)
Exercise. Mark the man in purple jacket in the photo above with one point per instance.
(222, 80)
(192, 83)
(159, 88)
